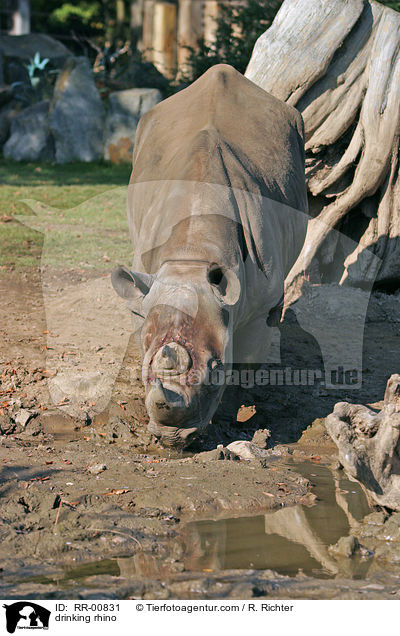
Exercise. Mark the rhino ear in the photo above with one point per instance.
(130, 285)
(225, 284)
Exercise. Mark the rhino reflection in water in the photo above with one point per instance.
(285, 540)
(217, 213)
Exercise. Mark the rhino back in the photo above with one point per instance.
(224, 129)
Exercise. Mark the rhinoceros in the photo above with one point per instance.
(217, 211)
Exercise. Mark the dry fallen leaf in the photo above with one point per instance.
(245, 413)
(120, 491)
(63, 402)
(47, 373)
(39, 478)
(71, 504)
(268, 494)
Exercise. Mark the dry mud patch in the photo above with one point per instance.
(93, 507)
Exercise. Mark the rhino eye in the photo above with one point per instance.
(215, 276)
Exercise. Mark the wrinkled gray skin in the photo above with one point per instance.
(217, 213)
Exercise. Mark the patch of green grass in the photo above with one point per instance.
(82, 222)
(18, 174)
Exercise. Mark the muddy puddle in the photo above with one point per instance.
(289, 541)
(292, 541)
(93, 508)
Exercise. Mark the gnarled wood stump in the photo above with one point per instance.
(369, 444)
(338, 62)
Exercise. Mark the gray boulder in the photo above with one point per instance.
(248, 450)
(6, 94)
(17, 50)
(24, 47)
(124, 111)
(77, 114)
(30, 138)
(7, 114)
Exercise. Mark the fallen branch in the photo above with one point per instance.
(369, 444)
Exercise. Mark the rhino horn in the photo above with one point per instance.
(171, 359)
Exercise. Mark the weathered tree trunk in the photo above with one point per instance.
(190, 18)
(120, 18)
(148, 19)
(211, 10)
(136, 23)
(338, 62)
(21, 18)
(164, 37)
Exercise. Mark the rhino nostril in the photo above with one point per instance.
(165, 399)
(173, 398)
(214, 363)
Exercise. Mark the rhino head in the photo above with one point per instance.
(184, 337)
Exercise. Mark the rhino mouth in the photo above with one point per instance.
(175, 413)
(169, 404)
(178, 398)
(172, 436)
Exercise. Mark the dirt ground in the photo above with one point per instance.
(93, 507)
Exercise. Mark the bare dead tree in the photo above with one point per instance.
(338, 62)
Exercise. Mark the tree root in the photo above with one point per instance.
(369, 444)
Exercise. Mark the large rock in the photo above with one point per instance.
(77, 114)
(6, 94)
(7, 114)
(124, 111)
(24, 47)
(30, 138)
(17, 50)
(247, 450)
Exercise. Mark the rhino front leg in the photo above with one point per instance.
(251, 343)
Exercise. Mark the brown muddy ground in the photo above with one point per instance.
(92, 506)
